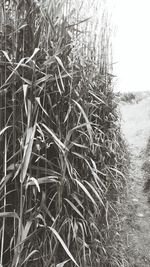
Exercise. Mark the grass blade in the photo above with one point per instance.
(88, 124)
(63, 245)
(74, 208)
(27, 152)
(86, 192)
(57, 141)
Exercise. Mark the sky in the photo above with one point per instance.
(131, 54)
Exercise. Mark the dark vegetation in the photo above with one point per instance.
(133, 97)
(61, 153)
(128, 97)
(146, 168)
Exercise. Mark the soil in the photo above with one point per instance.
(136, 130)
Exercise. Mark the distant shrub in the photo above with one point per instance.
(128, 97)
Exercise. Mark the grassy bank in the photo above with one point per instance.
(61, 156)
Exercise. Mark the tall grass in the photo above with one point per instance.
(61, 152)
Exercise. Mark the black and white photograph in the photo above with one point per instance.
(74, 133)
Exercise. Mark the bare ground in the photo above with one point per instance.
(136, 129)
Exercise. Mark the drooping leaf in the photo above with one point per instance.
(29, 256)
(56, 139)
(35, 182)
(117, 171)
(59, 89)
(44, 79)
(3, 130)
(61, 64)
(74, 208)
(97, 98)
(62, 264)
(4, 180)
(88, 124)
(86, 192)
(27, 152)
(26, 230)
(7, 56)
(38, 100)
(96, 193)
(63, 245)
(25, 88)
(14, 71)
(32, 56)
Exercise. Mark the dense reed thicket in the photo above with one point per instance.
(61, 154)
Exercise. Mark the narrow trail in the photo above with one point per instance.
(136, 129)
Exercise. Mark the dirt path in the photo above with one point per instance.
(136, 128)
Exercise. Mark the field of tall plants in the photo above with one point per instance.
(61, 153)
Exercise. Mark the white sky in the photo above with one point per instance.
(132, 44)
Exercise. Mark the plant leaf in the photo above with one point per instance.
(25, 88)
(74, 208)
(95, 192)
(9, 214)
(27, 152)
(86, 192)
(61, 64)
(34, 53)
(35, 182)
(6, 55)
(26, 230)
(57, 141)
(62, 264)
(29, 256)
(3, 130)
(38, 100)
(89, 128)
(63, 245)
(12, 73)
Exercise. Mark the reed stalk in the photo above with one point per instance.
(63, 155)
